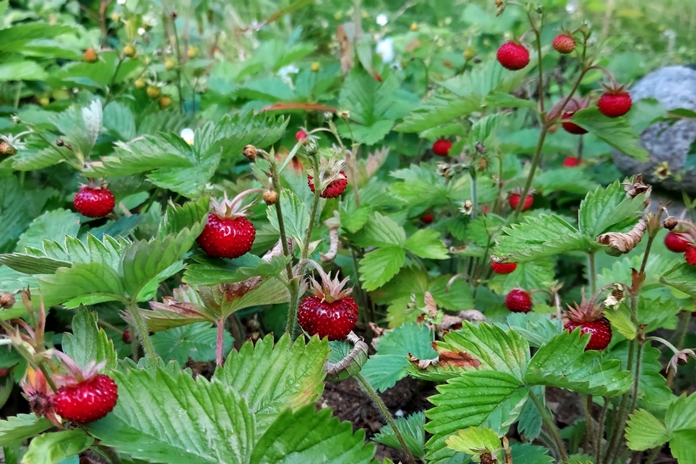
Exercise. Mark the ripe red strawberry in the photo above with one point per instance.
(334, 189)
(228, 233)
(571, 162)
(690, 255)
(599, 330)
(94, 202)
(503, 268)
(513, 55)
(427, 218)
(614, 103)
(87, 401)
(564, 44)
(515, 198)
(331, 312)
(518, 301)
(676, 242)
(570, 126)
(300, 135)
(441, 147)
(127, 338)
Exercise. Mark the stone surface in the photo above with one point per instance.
(674, 87)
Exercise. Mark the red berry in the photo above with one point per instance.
(614, 104)
(127, 338)
(87, 401)
(503, 268)
(564, 44)
(513, 56)
(441, 147)
(518, 301)
(333, 190)
(333, 320)
(599, 330)
(514, 201)
(676, 242)
(690, 255)
(427, 218)
(300, 135)
(571, 162)
(570, 126)
(227, 237)
(94, 202)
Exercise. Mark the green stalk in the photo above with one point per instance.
(532, 171)
(387, 415)
(684, 320)
(600, 432)
(592, 271)
(178, 64)
(143, 332)
(550, 425)
(586, 401)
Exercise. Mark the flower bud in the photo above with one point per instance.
(250, 152)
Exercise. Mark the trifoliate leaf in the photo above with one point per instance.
(53, 448)
(380, 265)
(88, 342)
(426, 243)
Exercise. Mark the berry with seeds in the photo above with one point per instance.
(86, 401)
(228, 233)
(127, 337)
(513, 55)
(599, 330)
(427, 218)
(563, 43)
(518, 301)
(690, 255)
(676, 242)
(570, 126)
(515, 198)
(442, 147)
(337, 180)
(503, 268)
(94, 202)
(331, 312)
(615, 103)
(571, 162)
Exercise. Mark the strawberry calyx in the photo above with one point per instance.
(231, 209)
(329, 289)
(329, 172)
(75, 374)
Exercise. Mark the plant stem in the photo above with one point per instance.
(592, 271)
(653, 454)
(141, 327)
(387, 415)
(600, 431)
(474, 193)
(220, 338)
(684, 320)
(178, 64)
(532, 171)
(107, 98)
(586, 401)
(548, 420)
(312, 215)
(18, 94)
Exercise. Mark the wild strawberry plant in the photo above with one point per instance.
(181, 208)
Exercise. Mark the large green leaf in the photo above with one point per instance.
(381, 231)
(309, 436)
(272, 378)
(608, 209)
(683, 278)
(614, 131)
(437, 110)
(426, 243)
(295, 216)
(88, 342)
(20, 427)
(180, 217)
(53, 448)
(13, 38)
(82, 283)
(380, 265)
(169, 417)
(210, 271)
(563, 362)
(196, 341)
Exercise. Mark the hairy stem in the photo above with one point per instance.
(592, 271)
(586, 401)
(108, 98)
(220, 339)
(532, 171)
(387, 415)
(684, 321)
(550, 425)
(141, 326)
(600, 431)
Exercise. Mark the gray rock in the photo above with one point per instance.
(674, 87)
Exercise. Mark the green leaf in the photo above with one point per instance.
(536, 328)
(18, 428)
(539, 237)
(563, 362)
(295, 216)
(269, 291)
(475, 441)
(211, 271)
(421, 185)
(683, 278)
(608, 209)
(506, 100)
(426, 243)
(24, 70)
(166, 416)
(88, 342)
(644, 431)
(289, 375)
(622, 323)
(83, 282)
(32, 160)
(380, 265)
(614, 131)
(13, 38)
(652, 388)
(381, 231)
(339, 350)
(384, 369)
(564, 180)
(531, 454)
(437, 110)
(310, 436)
(28, 264)
(55, 224)
(52, 448)
(189, 215)
(196, 341)
(411, 429)
(476, 398)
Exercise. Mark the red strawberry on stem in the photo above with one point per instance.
(515, 198)
(427, 218)
(441, 147)
(518, 301)
(676, 242)
(563, 43)
(300, 135)
(333, 177)
(503, 268)
(513, 55)
(228, 233)
(331, 312)
(615, 102)
(93, 201)
(690, 255)
(590, 319)
(571, 161)
(570, 126)
(86, 401)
